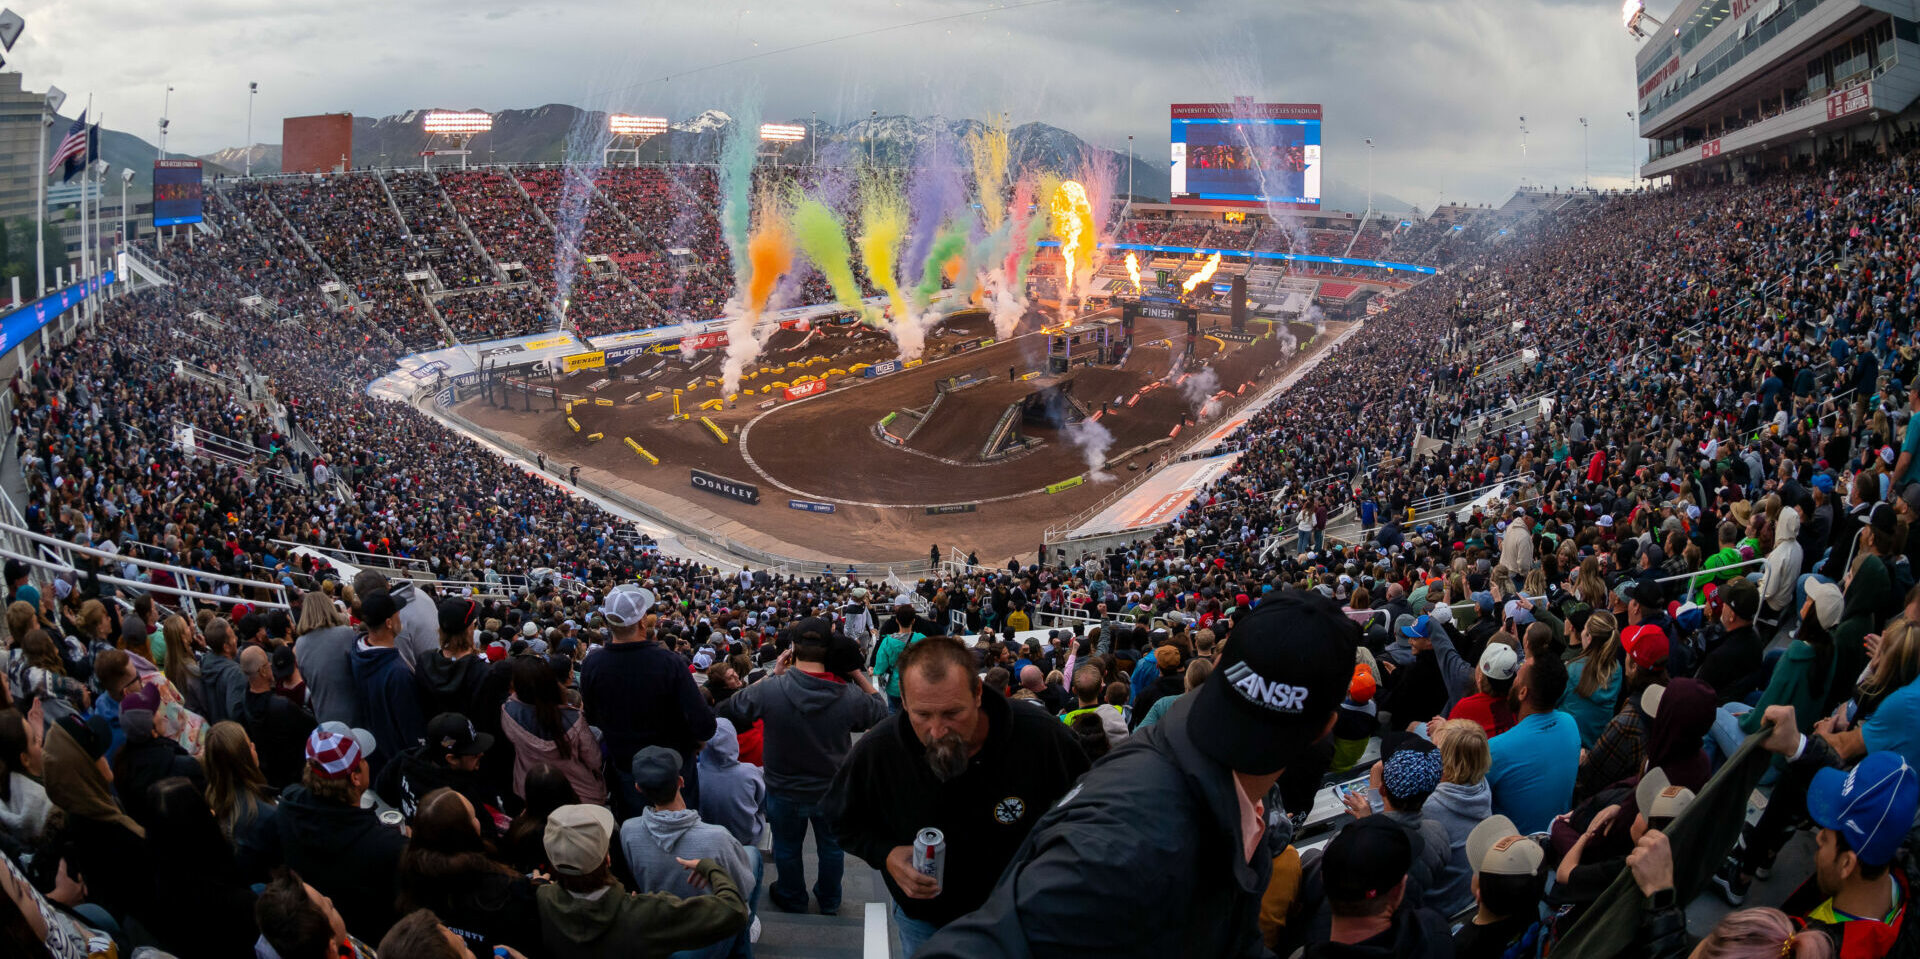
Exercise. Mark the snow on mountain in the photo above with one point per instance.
(709, 121)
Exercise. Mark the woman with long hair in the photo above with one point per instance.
(446, 868)
(1461, 801)
(547, 790)
(1594, 676)
(1804, 674)
(237, 791)
(35, 666)
(180, 669)
(317, 612)
(542, 728)
(201, 905)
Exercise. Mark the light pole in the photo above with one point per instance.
(1633, 153)
(813, 138)
(252, 89)
(1586, 165)
(1523, 150)
(872, 116)
(1129, 171)
(1369, 179)
(166, 106)
(126, 231)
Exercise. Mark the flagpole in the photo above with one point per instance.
(40, 211)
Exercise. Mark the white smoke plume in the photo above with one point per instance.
(1199, 389)
(1317, 318)
(1093, 441)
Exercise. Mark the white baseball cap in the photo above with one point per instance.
(626, 605)
(1499, 662)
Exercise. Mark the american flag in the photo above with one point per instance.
(75, 144)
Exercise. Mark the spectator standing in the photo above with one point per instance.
(324, 653)
(810, 715)
(223, 684)
(638, 693)
(450, 675)
(905, 632)
(1461, 802)
(735, 793)
(542, 728)
(384, 685)
(958, 758)
(272, 721)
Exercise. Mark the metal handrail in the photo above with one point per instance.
(102, 554)
(154, 587)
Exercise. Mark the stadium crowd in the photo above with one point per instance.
(1559, 558)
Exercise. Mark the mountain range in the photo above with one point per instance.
(540, 135)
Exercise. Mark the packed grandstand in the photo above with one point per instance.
(1630, 475)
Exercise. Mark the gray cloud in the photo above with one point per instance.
(1439, 84)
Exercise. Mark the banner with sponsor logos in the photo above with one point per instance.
(809, 506)
(881, 369)
(705, 341)
(584, 361)
(952, 508)
(729, 488)
(799, 390)
(27, 320)
(1065, 484)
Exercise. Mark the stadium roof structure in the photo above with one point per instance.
(1728, 84)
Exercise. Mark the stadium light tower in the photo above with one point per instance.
(253, 88)
(1369, 179)
(166, 107)
(1639, 23)
(1523, 150)
(1633, 152)
(1586, 165)
(458, 128)
(781, 133)
(631, 131)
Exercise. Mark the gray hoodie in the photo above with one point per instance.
(1458, 809)
(731, 792)
(810, 722)
(656, 837)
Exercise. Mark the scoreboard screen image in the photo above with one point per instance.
(176, 192)
(1246, 154)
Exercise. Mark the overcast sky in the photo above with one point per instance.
(1439, 84)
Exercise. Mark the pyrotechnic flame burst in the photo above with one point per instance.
(1205, 274)
(1133, 270)
(1073, 225)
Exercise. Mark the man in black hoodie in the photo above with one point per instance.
(341, 849)
(450, 676)
(958, 758)
(277, 726)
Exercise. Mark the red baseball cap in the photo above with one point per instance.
(1647, 645)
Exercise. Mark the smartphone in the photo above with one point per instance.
(1342, 791)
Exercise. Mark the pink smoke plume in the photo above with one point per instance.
(1018, 214)
(1097, 175)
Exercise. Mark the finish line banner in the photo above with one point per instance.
(16, 326)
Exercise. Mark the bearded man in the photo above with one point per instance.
(956, 758)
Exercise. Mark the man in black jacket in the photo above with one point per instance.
(958, 758)
(638, 693)
(1094, 879)
(277, 726)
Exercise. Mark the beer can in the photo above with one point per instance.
(392, 817)
(930, 854)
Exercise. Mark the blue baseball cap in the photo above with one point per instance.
(1823, 482)
(1421, 628)
(1872, 805)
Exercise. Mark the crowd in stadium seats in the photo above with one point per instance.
(1560, 558)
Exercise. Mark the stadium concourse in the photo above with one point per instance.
(1607, 515)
